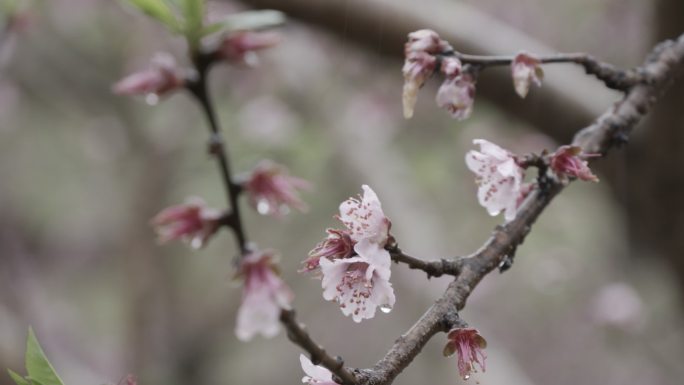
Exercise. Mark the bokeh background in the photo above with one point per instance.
(594, 296)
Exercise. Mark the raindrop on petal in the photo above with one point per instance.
(152, 99)
(263, 207)
(385, 308)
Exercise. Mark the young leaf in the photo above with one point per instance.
(157, 9)
(193, 10)
(17, 378)
(249, 20)
(39, 368)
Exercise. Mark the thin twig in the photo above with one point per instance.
(433, 268)
(612, 76)
(297, 333)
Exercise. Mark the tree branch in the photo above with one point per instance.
(609, 130)
(434, 268)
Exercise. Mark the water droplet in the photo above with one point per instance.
(263, 207)
(385, 308)
(196, 243)
(467, 376)
(152, 99)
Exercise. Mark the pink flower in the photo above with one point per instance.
(315, 375)
(569, 162)
(192, 222)
(365, 219)
(359, 284)
(499, 178)
(337, 245)
(457, 95)
(160, 79)
(272, 191)
(358, 281)
(420, 63)
(468, 344)
(242, 47)
(526, 69)
(264, 294)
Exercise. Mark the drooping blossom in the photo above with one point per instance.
(457, 95)
(160, 79)
(358, 280)
(192, 222)
(526, 69)
(272, 191)
(264, 295)
(569, 162)
(499, 178)
(242, 47)
(315, 375)
(420, 63)
(337, 245)
(468, 344)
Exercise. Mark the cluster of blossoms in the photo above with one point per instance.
(500, 175)
(164, 76)
(353, 262)
(468, 344)
(425, 52)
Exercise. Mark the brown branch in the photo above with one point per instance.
(612, 76)
(434, 268)
(609, 130)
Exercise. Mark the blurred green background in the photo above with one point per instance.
(593, 297)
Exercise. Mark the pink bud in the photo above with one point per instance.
(426, 40)
(569, 162)
(418, 67)
(272, 191)
(468, 344)
(241, 47)
(526, 69)
(191, 222)
(160, 79)
(457, 95)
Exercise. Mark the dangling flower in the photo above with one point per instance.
(358, 280)
(457, 95)
(337, 245)
(315, 375)
(526, 69)
(160, 79)
(569, 162)
(359, 284)
(242, 47)
(499, 178)
(468, 344)
(264, 294)
(272, 191)
(420, 63)
(192, 222)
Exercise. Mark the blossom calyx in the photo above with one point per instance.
(569, 162)
(468, 344)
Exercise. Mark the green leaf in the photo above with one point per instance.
(249, 20)
(39, 368)
(157, 9)
(17, 378)
(193, 10)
